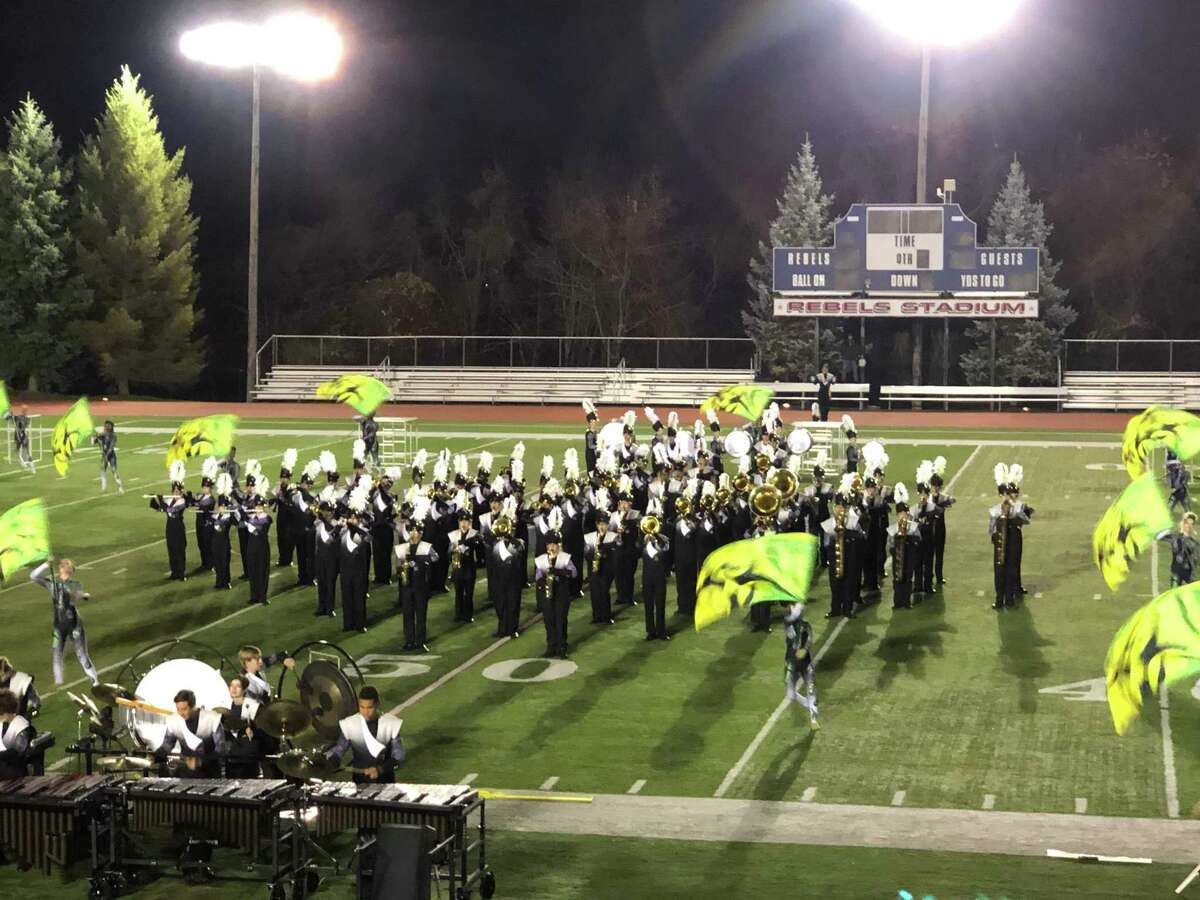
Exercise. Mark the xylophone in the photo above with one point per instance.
(239, 813)
(343, 805)
(41, 815)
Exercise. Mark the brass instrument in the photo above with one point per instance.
(839, 524)
(723, 497)
(570, 489)
(762, 462)
(683, 506)
(708, 502)
(1002, 531)
(650, 526)
(741, 482)
(901, 546)
(456, 557)
(856, 484)
(502, 527)
(787, 483)
(765, 501)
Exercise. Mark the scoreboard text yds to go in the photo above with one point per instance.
(909, 307)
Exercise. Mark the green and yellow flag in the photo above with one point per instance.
(775, 567)
(71, 430)
(1158, 645)
(206, 436)
(1175, 429)
(3, 399)
(1128, 527)
(24, 536)
(362, 392)
(746, 400)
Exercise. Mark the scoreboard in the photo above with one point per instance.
(905, 251)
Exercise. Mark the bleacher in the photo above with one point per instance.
(1130, 390)
(520, 384)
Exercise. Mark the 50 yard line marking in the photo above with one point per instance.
(732, 775)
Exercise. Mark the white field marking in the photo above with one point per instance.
(120, 571)
(898, 798)
(979, 593)
(1095, 596)
(1037, 596)
(468, 778)
(1080, 805)
(809, 795)
(989, 801)
(549, 783)
(636, 787)
(732, 774)
(274, 575)
(485, 652)
(1170, 781)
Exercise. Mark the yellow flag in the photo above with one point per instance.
(207, 436)
(775, 567)
(362, 392)
(71, 429)
(24, 536)
(746, 400)
(1175, 429)
(1128, 527)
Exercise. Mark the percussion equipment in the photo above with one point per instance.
(737, 443)
(799, 441)
(305, 765)
(230, 721)
(41, 817)
(120, 764)
(240, 814)
(108, 693)
(144, 707)
(85, 703)
(329, 697)
(283, 718)
(158, 688)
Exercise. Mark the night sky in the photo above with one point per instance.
(717, 96)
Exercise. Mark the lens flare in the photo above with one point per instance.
(948, 23)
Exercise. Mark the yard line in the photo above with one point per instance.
(1080, 805)
(1170, 782)
(120, 571)
(989, 801)
(636, 787)
(809, 795)
(732, 774)
(898, 798)
(468, 778)
(549, 783)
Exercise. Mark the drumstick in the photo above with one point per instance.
(145, 707)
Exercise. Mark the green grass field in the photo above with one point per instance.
(947, 703)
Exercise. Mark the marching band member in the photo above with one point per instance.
(206, 505)
(925, 510)
(21, 684)
(1184, 552)
(354, 558)
(437, 524)
(20, 426)
(16, 737)
(903, 543)
(244, 748)
(65, 592)
(286, 525)
(466, 553)
(554, 573)
(625, 523)
(627, 452)
(1006, 520)
(600, 549)
(590, 436)
(841, 540)
(541, 525)
(825, 382)
(509, 569)
(198, 734)
(325, 555)
(415, 561)
(373, 739)
(358, 464)
(1177, 480)
(575, 516)
(106, 439)
(655, 568)
(305, 503)
(383, 525)
(799, 667)
(255, 522)
(686, 558)
(223, 519)
(941, 502)
(852, 454)
(174, 507)
(254, 664)
(247, 501)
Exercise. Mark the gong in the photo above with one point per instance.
(328, 696)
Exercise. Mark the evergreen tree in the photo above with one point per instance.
(785, 346)
(38, 296)
(1027, 350)
(136, 246)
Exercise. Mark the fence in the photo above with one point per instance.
(495, 350)
(1129, 355)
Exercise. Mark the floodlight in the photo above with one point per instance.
(948, 23)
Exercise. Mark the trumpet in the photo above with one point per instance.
(456, 557)
(762, 462)
(570, 489)
(786, 482)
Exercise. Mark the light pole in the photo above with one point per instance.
(949, 23)
(302, 47)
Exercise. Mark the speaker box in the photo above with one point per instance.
(397, 865)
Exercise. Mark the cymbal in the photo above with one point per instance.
(229, 721)
(283, 718)
(108, 693)
(124, 763)
(85, 703)
(304, 765)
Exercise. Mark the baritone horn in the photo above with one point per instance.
(683, 506)
(765, 500)
(503, 526)
(786, 482)
(650, 526)
(741, 482)
(762, 462)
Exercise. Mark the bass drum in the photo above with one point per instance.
(159, 686)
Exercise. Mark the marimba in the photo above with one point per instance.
(238, 813)
(41, 816)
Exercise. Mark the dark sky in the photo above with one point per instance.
(717, 95)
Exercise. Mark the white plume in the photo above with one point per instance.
(328, 494)
(625, 484)
(629, 419)
(224, 484)
(795, 463)
(421, 509)
(673, 420)
(743, 465)
(178, 472)
(651, 415)
(693, 485)
(421, 459)
(924, 472)
(359, 497)
(358, 449)
(552, 488)
(724, 481)
(900, 493)
(518, 470)
(1016, 474)
(555, 519)
(518, 451)
(847, 423)
(883, 462)
(262, 486)
(602, 501)
(712, 416)
(412, 494)
(939, 465)
(846, 485)
(508, 509)
(440, 471)
(328, 461)
(209, 468)
(589, 407)
(461, 500)
(498, 486)
(394, 472)
(444, 455)
(460, 465)
(547, 466)
(698, 428)
(643, 450)
(312, 469)
(872, 453)
(253, 468)
(607, 461)
(773, 409)
(289, 458)
(660, 454)
(485, 462)
(709, 488)
(1000, 472)
(816, 409)
(571, 464)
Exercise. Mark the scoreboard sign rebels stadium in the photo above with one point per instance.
(906, 260)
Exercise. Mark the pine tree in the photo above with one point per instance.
(136, 246)
(1027, 350)
(785, 346)
(38, 296)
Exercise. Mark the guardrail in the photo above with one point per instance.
(1131, 355)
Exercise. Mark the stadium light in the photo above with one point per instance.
(297, 45)
(948, 23)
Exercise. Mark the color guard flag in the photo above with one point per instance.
(1175, 429)
(3, 399)
(71, 429)
(1129, 526)
(362, 392)
(206, 436)
(1158, 646)
(747, 400)
(24, 536)
(773, 568)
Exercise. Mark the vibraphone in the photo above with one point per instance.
(238, 813)
(447, 809)
(42, 816)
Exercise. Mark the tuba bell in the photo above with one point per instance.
(786, 482)
(724, 495)
(650, 526)
(683, 506)
(762, 462)
(765, 500)
(741, 482)
(708, 502)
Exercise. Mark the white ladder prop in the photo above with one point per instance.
(397, 439)
(37, 440)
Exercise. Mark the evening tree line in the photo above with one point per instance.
(101, 272)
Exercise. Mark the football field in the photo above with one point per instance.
(949, 706)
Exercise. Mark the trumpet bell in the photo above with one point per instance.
(762, 462)
(683, 506)
(708, 502)
(765, 500)
(650, 525)
(787, 484)
(741, 482)
(503, 526)
(724, 495)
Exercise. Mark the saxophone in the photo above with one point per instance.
(839, 519)
(1002, 532)
(407, 566)
(456, 557)
(901, 546)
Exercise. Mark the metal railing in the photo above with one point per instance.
(1130, 355)
(442, 350)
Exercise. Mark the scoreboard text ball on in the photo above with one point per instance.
(906, 260)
